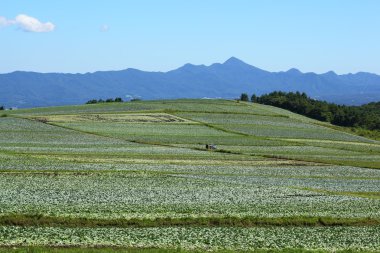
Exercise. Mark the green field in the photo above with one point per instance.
(136, 176)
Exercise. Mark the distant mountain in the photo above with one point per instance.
(227, 80)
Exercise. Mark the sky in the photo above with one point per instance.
(75, 36)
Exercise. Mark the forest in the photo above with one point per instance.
(365, 116)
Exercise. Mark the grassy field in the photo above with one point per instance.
(136, 177)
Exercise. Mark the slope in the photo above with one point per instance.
(129, 174)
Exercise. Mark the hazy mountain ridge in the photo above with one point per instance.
(227, 80)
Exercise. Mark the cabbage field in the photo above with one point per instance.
(137, 176)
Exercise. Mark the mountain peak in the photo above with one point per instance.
(188, 67)
(330, 73)
(294, 71)
(234, 61)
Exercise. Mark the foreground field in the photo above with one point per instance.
(137, 175)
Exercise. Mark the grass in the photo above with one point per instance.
(51, 221)
(156, 250)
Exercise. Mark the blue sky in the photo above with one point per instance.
(159, 35)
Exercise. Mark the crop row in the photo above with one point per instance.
(332, 239)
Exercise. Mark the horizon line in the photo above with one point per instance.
(232, 58)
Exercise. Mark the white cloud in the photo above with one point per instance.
(28, 24)
(31, 24)
(104, 28)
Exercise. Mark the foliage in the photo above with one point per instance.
(365, 116)
(248, 221)
(330, 239)
(33, 249)
(108, 100)
(253, 98)
(92, 101)
(156, 191)
(244, 97)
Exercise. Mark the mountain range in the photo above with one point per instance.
(220, 80)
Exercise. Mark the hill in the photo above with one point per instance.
(227, 80)
(138, 175)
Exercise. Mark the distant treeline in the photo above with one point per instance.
(108, 100)
(2, 108)
(111, 100)
(364, 116)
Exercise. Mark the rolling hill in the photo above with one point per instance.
(137, 175)
(227, 80)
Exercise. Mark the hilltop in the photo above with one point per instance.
(234, 127)
(226, 80)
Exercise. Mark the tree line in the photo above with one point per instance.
(365, 116)
(108, 100)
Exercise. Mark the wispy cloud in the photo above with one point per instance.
(104, 28)
(5, 22)
(28, 24)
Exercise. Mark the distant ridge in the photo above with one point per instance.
(222, 80)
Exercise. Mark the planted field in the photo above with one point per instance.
(166, 194)
(138, 175)
(337, 238)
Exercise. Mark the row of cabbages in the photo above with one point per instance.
(328, 238)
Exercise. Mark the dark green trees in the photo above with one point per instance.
(108, 100)
(254, 98)
(92, 101)
(244, 97)
(365, 116)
